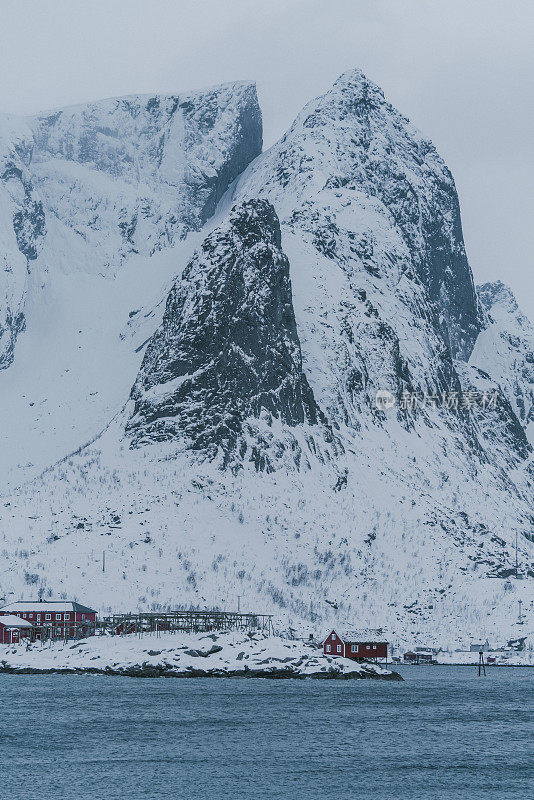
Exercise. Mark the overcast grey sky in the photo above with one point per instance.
(462, 70)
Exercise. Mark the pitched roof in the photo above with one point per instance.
(11, 621)
(362, 635)
(49, 605)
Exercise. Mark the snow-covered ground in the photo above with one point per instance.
(498, 658)
(223, 654)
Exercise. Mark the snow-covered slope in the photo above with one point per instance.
(505, 350)
(253, 459)
(136, 174)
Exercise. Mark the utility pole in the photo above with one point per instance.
(238, 603)
(520, 618)
(103, 560)
(481, 665)
(516, 564)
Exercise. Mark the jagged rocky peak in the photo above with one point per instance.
(153, 167)
(496, 297)
(505, 350)
(357, 165)
(228, 348)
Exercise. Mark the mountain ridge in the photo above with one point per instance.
(119, 177)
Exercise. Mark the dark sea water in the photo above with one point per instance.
(443, 733)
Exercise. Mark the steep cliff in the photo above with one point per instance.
(22, 226)
(228, 347)
(505, 350)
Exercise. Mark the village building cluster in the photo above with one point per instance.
(49, 620)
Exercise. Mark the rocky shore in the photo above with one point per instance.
(181, 655)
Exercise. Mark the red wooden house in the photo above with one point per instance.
(368, 644)
(13, 629)
(54, 619)
(419, 657)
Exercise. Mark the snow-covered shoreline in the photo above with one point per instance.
(182, 655)
(523, 658)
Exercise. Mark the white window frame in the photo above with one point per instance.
(66, 616)
(58, 617)
(338, 648)
(328, 648)
(354, 648)
(48, 616)
(333, 637)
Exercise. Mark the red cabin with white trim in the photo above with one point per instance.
(366, 644)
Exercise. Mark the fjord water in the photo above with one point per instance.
(443, 733)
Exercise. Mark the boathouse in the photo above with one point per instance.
(368, 643)
(54, 619)
(13, 629)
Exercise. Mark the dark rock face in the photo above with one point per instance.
(29, 216)
(246, 145)
(228, 347)
(405, 172)
(29, 225)
(447, 273)
(13, 325)
(18, 246)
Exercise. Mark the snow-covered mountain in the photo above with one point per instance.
(318, 422)
(369, 189)
(92, 198)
